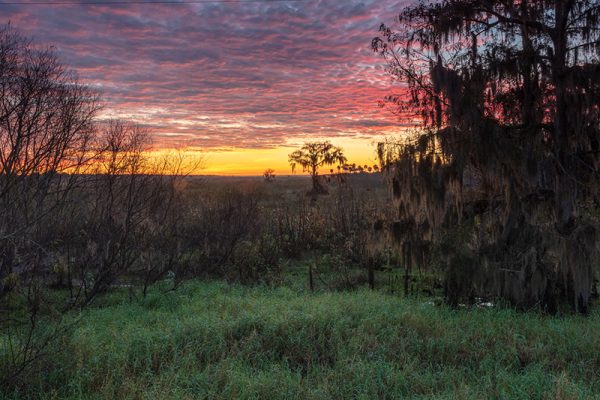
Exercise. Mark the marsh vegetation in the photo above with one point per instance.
(463, 265)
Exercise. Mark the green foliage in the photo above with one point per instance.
(258, 261)
(213, 340)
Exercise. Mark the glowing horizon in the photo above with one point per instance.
(242, 84)
(253, 162)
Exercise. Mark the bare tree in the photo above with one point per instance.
(133, 217)
(82, 206)
(46, 141)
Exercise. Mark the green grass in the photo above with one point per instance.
(215, 341)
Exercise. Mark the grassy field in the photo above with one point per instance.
(217, 341)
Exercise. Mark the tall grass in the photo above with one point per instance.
(213, 340)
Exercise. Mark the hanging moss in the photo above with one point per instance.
(508, 94)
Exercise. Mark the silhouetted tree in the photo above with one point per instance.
(269, 175)
(314, 155)
(508, 94)
(78, 201)
(46, 139)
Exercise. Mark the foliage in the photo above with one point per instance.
(269, 175)
(313, 155)
(507, 92)
(242, 233)
(213, 340)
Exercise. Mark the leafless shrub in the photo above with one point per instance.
(81, 205)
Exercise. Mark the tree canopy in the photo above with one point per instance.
(314, 155)
(508, 95)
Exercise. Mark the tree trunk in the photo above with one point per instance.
(564, 183)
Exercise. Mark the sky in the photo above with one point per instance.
(240, 84)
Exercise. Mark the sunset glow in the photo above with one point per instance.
(239, 84)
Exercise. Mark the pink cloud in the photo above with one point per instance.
(216, 75)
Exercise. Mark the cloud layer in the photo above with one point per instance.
(227, 75)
